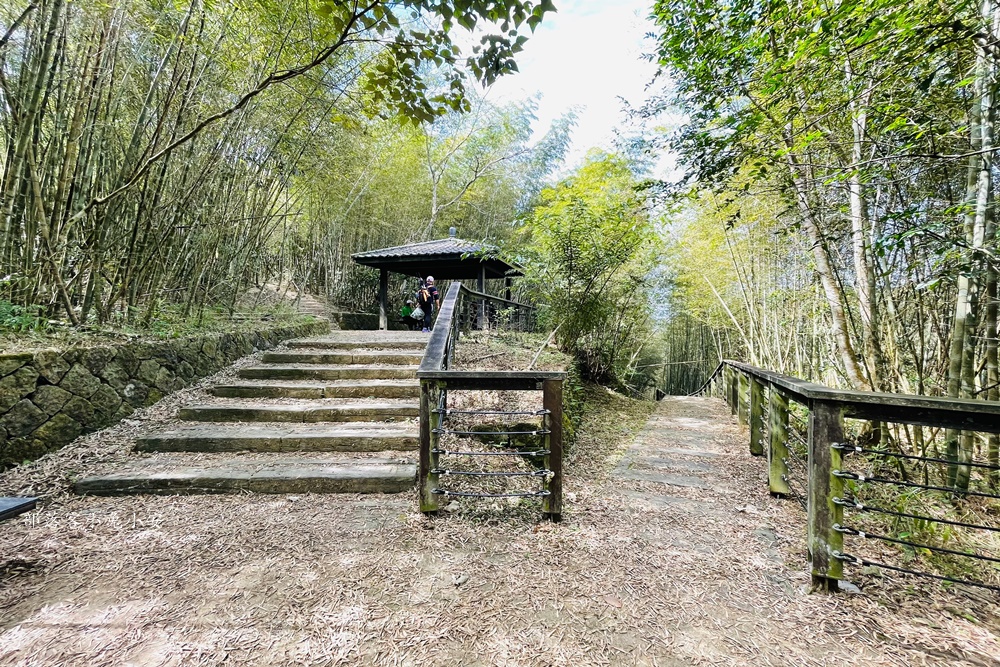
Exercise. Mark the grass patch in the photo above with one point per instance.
(166, 323)
(608, 424)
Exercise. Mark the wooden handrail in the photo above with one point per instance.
(437, 378)
(957, 413)
(767, 420)
(711, 378)
(435, 355)
(496, 299)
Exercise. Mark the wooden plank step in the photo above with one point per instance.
(313, 356)
(228, 437)
(11, 507)
(324, 372)
(319, 389)
(168, 474)
(303, 411)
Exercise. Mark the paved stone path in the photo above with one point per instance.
(304, 420)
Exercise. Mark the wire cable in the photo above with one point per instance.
(854, 505)
(873, 536)
(464, 494)
(447, 431)
(451, 452)
(854, 560)
(843, 474)
(853, 449)
(475, 473)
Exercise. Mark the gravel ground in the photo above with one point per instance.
(640, 572)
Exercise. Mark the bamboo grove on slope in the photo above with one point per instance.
(162, 154)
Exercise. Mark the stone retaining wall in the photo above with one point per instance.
(48, 398)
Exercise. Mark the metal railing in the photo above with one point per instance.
(815, 465)
(461, 311)
(476, 310)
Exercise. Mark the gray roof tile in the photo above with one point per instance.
(439, 247)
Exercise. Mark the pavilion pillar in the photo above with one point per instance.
(481, 288)
(383, 299)
(507, 282)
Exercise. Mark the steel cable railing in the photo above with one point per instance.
(809, 461)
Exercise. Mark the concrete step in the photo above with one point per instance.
(170, 474)
(359, 340)
(11, 507)
(319, 389)
(314, 356)
(325, 372)
(228, 437)
(301, 411)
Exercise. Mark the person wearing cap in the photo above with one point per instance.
(406, 315)
(429, 300)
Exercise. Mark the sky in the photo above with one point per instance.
(586, 55)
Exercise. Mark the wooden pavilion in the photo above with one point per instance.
(445, 259)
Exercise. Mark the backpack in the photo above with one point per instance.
(424, 296)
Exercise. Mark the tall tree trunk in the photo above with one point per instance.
(979, 188)
(828, 279)
(860, 230)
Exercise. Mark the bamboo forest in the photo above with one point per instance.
(510, 332)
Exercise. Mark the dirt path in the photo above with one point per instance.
(675, 555)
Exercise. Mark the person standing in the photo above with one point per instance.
(429, 300)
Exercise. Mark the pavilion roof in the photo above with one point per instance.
(445, 259)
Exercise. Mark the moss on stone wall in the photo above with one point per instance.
(49, 397)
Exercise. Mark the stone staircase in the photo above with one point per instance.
(334, 414)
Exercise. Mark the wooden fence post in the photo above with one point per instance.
(743, 398)
(734, 391)
(756, 417)
(826, 427)
(429, 420)
(552, 402)
(777, 451)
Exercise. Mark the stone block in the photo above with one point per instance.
(210, 347)
(96, 358)
(191, 351)
(23, 418)
(115, 374)
(144, 351)
(50, 399)
(51, 365)
(164, 379)
(135, 393)
(82, 411)
(185, 370)
(123, 411)
(129, 359)
(56, 432)
(147, 372)
(79, 381)
(11, 362)
(106, 401)
(16, 386)
(20, 450)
